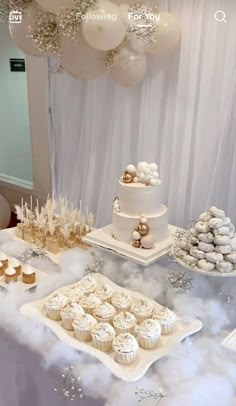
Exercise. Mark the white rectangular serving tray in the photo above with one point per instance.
(145, 358)
(102, 238)
(20, 285)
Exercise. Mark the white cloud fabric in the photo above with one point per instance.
(182, 117)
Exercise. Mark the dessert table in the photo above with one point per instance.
(199, 371)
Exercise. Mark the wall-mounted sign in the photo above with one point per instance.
(17, 65)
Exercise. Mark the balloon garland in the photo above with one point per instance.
(91, 36)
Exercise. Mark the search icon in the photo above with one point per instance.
(220, 16)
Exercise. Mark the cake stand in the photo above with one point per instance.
(103, 239)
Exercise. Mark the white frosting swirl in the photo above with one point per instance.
(103, 331)
(74, 293)
(84, 322)
(3, 256)
(165, 315)
(28, 270)
(14, 262)
(57, 302)
(104, 311)
(149, 328)
(125, 343)
(72, 310)
(121, 300)
(104, 292)
(124, 320)
(90, 301)
(142, 308)
(10, 271)
(87, 284)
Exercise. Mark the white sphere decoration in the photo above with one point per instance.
(147, 241)
(5, 212)
(131, 168)
(135, 179)
(146, 170)
(143, 220)
(136, 235)
(142, 176)
(153, 167)
(142, 165)
(154, 182)
(155, 175)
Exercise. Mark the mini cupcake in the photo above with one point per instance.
(28, 275)
(89, 303)
(121, 302)
(55, 305)
(4, 259)
(69, 313)
(104, 293)
(104, 313)
(142, 310)
(10, 275)
(87, 284)
(74, 293)
(126, 348)
(149, 333)
(83, 326)
(102, 336)
(124, 322)
(16, 265)
(166, 318)
(1, 269)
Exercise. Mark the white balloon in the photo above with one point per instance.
(128, 68)
(168, 35)
(81, 60)
(19, 32)
(103, 27)
(55, 6)
(5, 211)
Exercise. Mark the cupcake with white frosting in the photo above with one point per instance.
(142, 310)
(4, 259)
(10, 275)
(149, 333)
(15, 264)
(28, 275)
(89, 303)
(102, 336)
(55, 305)
(83, 326)
(69, 313)
(167, 320)
(1, 269)
(87, 284)
(121, 302)
(126, 348)
(104, 292)
(124, 322)
(74, 293)
(104, 313)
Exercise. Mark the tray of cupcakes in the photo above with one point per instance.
(23, 275)
(122, 328)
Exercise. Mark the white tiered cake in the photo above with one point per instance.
(139, 217)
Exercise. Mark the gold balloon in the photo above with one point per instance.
(136, 243)
(127, 177)
(143, 229)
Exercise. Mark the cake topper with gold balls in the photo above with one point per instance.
(142, 238)
(144, 173)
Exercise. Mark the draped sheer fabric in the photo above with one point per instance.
(183, 116)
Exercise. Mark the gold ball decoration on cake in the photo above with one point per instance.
(143, 229)
(136, 243)
(127, 177)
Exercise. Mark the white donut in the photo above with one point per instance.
(202, 227)
(216, 212)
(231, 257)
(227, 221)
(232, 243)
(190, 260)
(196, 253)
(206, 216)
(203, 246)
(224, 267)
(222, 240)
(215, 222)
(208, 237)
(205, 265)
(223, 249)
(222, 231)
(214, 257)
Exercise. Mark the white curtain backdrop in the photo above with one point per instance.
(183, 116)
